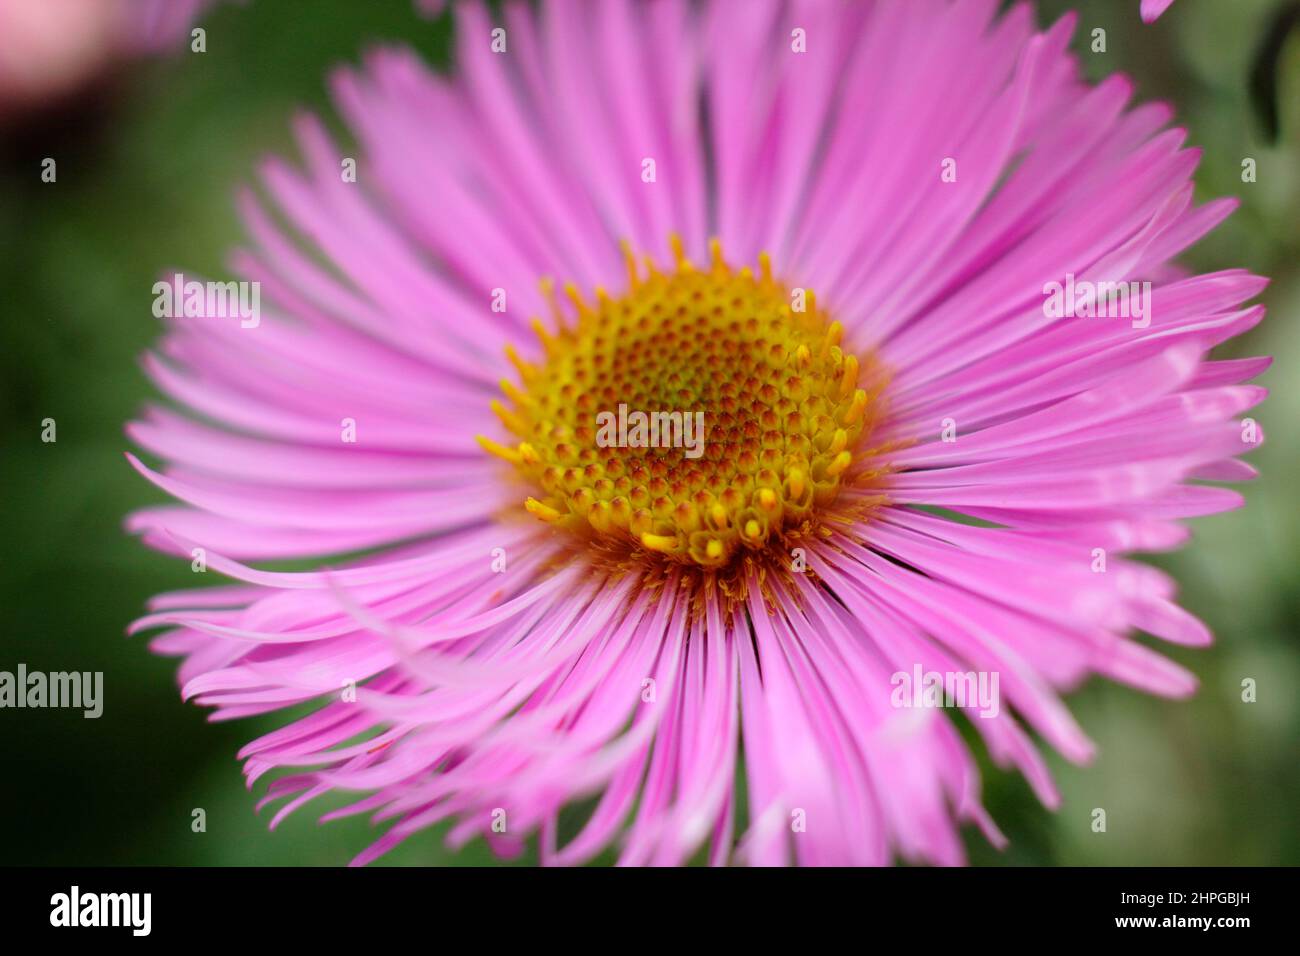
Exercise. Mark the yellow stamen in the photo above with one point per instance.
(501, 451)
(836, 467)
(780, 417)
(545, 512)
(795, 480)
(659, 542)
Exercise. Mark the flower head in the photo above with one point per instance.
(912, 274)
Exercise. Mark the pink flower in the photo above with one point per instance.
(49, 49)
(1151, 9)
(54, 48)
(932, 436)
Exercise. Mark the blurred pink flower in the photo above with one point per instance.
(49, 48)
(913, 465)
(52, 48)
(1151, 9)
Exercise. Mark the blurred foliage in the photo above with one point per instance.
(148, 164)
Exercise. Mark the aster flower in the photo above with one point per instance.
(830, 229)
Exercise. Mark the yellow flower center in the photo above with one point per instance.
(704, 414)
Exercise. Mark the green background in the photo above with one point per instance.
(147, 167)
